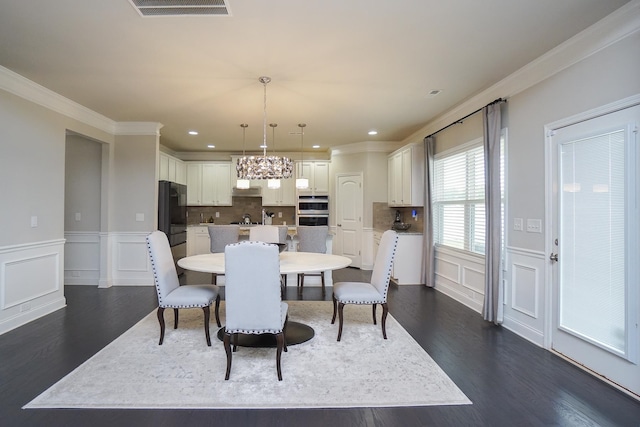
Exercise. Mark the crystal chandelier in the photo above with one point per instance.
(264, 167)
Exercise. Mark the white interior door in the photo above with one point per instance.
(349, 218)
(595, 239)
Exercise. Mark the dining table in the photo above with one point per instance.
(290, 263)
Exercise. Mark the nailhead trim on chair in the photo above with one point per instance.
(155, 281)
(263, 331)
(386, 291)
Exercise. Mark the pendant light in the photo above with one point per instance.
(243, 183)
(264, 167)
(302, 182)
(272, 183)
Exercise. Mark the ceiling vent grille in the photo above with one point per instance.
(181, 7)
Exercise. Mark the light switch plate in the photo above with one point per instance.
(534, 226)
(518, 224)
(34, 221)
(78, 216)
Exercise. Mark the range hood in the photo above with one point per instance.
(247, 192)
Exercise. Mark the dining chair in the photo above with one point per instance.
(270, 234)
(170, 293)
(253, 301)
(312, 239)
(221, 236)
(373, 293)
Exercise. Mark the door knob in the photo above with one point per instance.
(339, 225)
(553, 257)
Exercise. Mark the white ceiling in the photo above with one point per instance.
(343, 67)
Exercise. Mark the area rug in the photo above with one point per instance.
(363, 370)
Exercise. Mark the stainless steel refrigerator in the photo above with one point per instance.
(172, 217)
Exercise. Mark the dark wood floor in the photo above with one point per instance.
(510, 381)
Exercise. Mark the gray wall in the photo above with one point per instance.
(83, 170)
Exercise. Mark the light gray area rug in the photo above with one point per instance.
(363, 370)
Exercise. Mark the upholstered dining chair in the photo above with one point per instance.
(312, 239)
(221, 236)
(270, 234)
(252, 295)
(170, 293)
(372, 293)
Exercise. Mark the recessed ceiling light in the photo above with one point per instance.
(373, 132)
(433, 93)
(315, 146)
(193, 132)
(211, 146)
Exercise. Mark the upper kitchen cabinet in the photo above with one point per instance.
(171, 169)
(209, 184)
(318, 175)
(283, 196)
(406, 176)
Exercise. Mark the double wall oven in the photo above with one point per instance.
(313, 210)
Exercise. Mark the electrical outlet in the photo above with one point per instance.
(534, 226)
(279, 214)
(34, 221)
(139, 217)
(518, 224)
(217, 214)
(78, 216)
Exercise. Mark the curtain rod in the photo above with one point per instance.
(468, 115)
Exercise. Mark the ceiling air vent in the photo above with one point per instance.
(181, 7)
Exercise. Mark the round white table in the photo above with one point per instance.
(290, 263)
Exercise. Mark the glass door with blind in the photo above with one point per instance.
(595, 258)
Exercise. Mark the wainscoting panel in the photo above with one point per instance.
(460, 276)
(525, 293)
(131, 260)
(31, 282)
(82, 258)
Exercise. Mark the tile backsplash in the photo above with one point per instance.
(241, 205)
(383, 217)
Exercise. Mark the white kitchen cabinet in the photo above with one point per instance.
(283, 196)
(407, 265)
(406, 176)
(209, 183)
(198, 241)
(171, 169)
(317, 172)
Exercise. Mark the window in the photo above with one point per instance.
(458, 197)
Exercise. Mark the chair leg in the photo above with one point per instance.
(207, 316)
(280, 344)
(340, 307)
(385, 311)
(161, 320)
(284, 331)
(335, 309)
(300, 283)
(374, 313)
(322, 279)
(217, 311)
(214, 279)
(175, 318)
(235, 342)
(227, 349)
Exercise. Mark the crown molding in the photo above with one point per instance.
(137, 128)
(24, 88)
(366, 147)
(617, 26)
